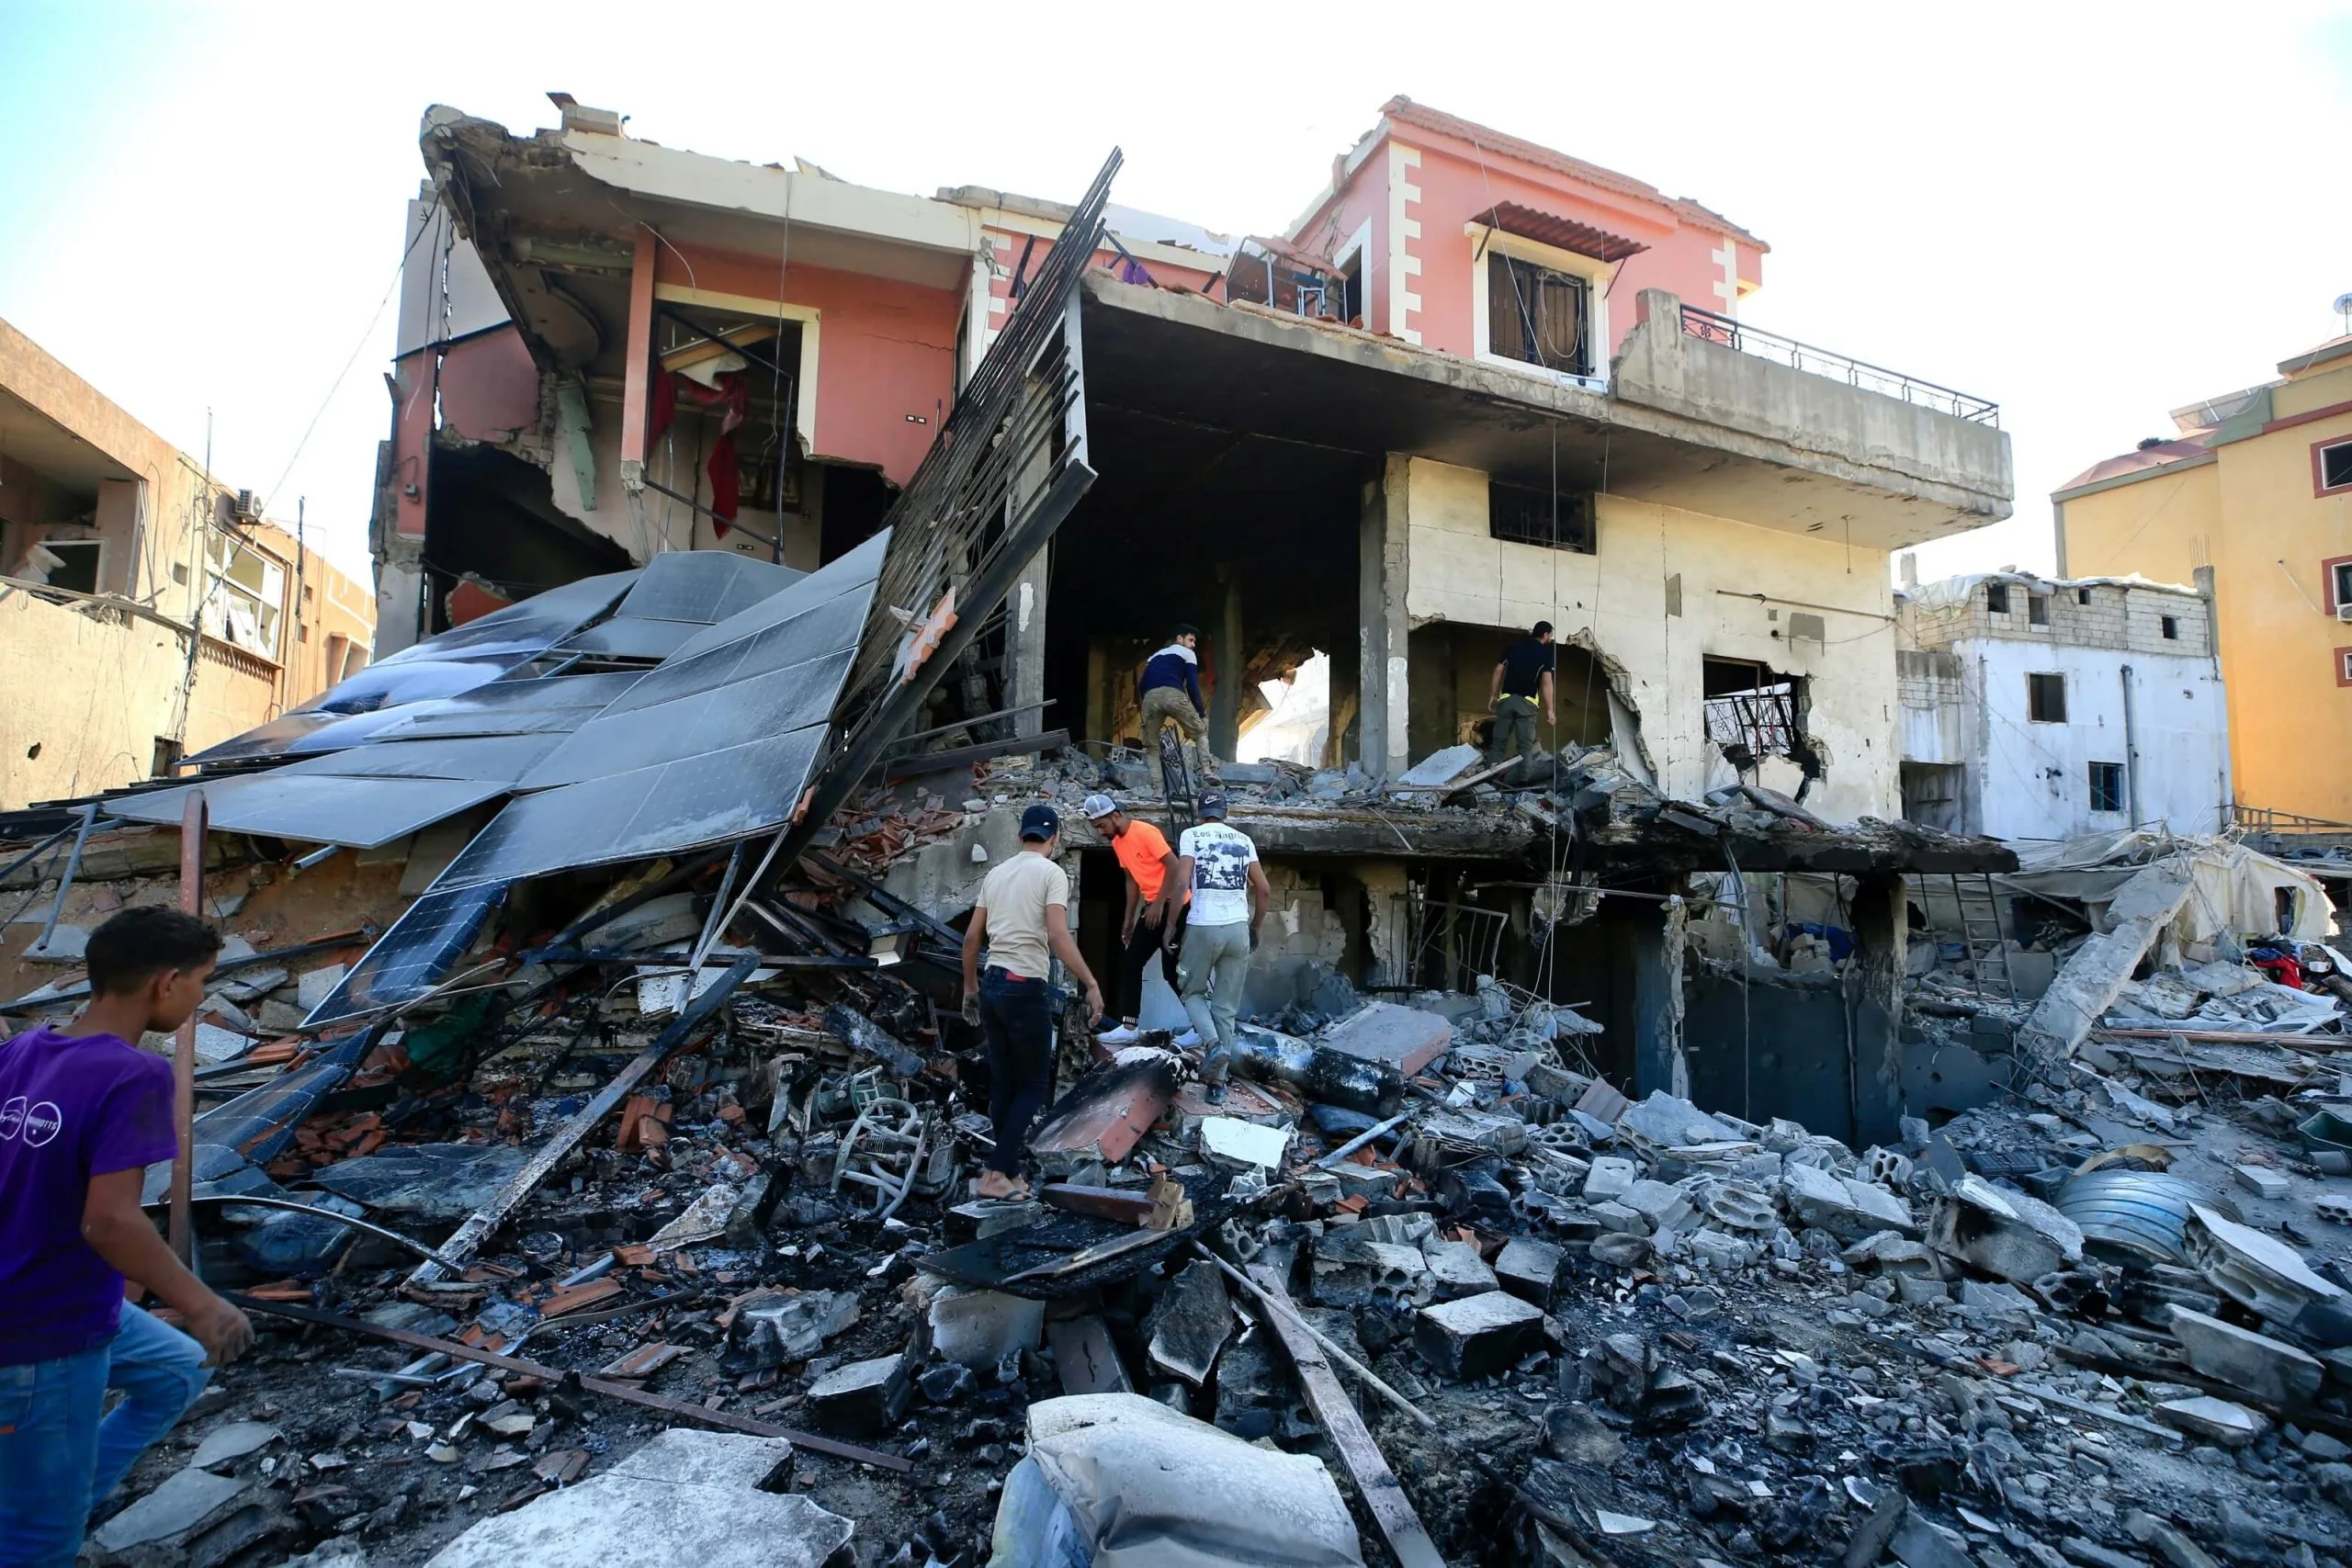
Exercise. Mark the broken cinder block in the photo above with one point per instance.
(863, 1399)
(2264, 1367)
(1478, 1335)
(1528, 1268)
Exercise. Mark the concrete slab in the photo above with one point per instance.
(1085, 1356)
(1441, 767)
(1190, 1325)
(1384, 1031)
(2262, 1366)
(187, 1501)
(1243, 1142)
(2217, 1420)
(233, 1441)
(685, 1497)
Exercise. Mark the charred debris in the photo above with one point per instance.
(1609, 1178)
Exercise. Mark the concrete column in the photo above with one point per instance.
(1657, 957)
(1024, 644)
(637, 367)
(1874, 1002)
(1383, 567)
(1232, 659)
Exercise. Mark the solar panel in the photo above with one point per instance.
(776, 703)
(494, 759)
(860, 567)
(317, 809)
(533, 625)
(512, 707)
(704, 799)
(414, 954)
(621, 638)
(702, 586)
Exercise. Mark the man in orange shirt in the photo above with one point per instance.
(1152, 904)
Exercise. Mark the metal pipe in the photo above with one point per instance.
(260, 1201)
(753, 534)
(317, 857)
(65, 880)
(181, 1225)
(2130, 751)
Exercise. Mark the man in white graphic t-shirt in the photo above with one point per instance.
(1229, 898)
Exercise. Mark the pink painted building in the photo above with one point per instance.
(1465, 240)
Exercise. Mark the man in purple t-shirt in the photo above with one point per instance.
(82, 1113)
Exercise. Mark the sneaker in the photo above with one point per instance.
(1214, 1094)
(1125, 1034)
(1189, 1039)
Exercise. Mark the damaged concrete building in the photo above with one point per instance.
(1475, 385)
(586, 1064)
(2049, 708)
(165, 611)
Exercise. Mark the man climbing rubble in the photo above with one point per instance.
(1229, 894)
(1145, 925)
(1522, 678)
(1022, 917)
(1169, 688)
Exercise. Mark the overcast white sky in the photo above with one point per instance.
(2089, 213)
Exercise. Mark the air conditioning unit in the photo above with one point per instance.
(248, 507)
(2343, 611)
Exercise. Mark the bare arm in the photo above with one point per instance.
(1169, 896)
(1180, 876)
(118, 1232)
(1495, 684)
(1551, 711)
(1261, 894)
(1065, 948)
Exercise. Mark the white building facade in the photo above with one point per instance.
(2040, 709)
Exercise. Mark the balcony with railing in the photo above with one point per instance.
(1738, 334)
(1785, 434)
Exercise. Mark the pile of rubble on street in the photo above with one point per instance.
(571, 1268)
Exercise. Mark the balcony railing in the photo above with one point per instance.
(1854, 372)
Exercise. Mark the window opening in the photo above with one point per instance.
(2106, 787)
(1997, 598)
(2171, 628)
(2037, 609)
(1539, 316)
(2045, 698)
(2336, 466)
(1524, 514)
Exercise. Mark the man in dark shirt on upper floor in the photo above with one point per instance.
(1522, 679)
(1171, 690)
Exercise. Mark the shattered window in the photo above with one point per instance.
(1752, 712)
(244, 592)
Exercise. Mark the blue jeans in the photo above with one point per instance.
(1017, 1024)
(58, 1458)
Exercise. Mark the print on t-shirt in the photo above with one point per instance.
(1221, 858)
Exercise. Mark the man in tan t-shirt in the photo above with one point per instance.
(1022, 915)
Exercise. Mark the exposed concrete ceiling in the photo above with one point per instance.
(39, 442)
(1181, 358)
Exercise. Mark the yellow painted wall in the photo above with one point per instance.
(2251, 516)
(2162, 527)
(1621, 594)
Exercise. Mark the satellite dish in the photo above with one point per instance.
(2342, 307)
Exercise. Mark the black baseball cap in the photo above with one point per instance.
(1212, 804)
(1040, 822)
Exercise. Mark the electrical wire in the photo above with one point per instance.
(374, 316)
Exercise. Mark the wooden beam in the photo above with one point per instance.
(1383, 1498)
